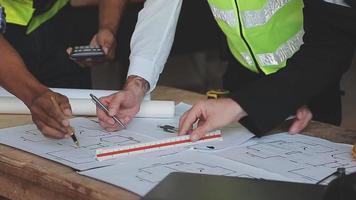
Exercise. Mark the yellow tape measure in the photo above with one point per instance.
(216, 94)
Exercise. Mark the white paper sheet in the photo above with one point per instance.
(298, 157)
(141, 175)
(90, 135)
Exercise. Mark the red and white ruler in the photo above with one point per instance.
(109, 153)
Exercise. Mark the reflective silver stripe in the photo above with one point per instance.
(284, 52)
(228, 16)
(247, 58)
(252, 18)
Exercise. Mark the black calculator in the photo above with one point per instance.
(86, 52)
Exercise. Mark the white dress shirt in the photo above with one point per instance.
(152, 39)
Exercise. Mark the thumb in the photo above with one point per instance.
(69, 50)
(105, 41)
(301, 121)
(106, 50)
(296, 127)
(94, 41)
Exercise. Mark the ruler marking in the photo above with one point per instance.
(101, 154)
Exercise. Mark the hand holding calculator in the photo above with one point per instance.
(86, 53)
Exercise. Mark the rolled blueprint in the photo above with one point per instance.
(72, 93)
(82, 104)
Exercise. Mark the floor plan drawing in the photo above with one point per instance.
(151, 173)
(140, 176)
(90, 135)
(285, 157)
(298, 157)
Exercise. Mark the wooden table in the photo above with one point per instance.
(27, 176)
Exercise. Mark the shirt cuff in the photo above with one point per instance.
(145, 69)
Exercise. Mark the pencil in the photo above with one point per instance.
(69, 128)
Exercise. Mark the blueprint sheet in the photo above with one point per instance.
(92, 137)
(299, 158)
(285, 157)
(140, 176)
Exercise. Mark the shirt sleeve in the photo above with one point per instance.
(152, 39)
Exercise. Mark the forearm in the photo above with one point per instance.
(110, 12)
(15, 77)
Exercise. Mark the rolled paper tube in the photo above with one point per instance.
(73, 93)
(81, 106)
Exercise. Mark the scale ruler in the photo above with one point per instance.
(109, 153)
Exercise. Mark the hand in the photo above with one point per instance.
(49, 118)
(124, 104)
(210, 114)
(106, 40)
(302, 119)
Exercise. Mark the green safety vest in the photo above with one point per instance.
(261, 33)
(21, 12)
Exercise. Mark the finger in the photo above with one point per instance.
(295, 127)
(64, 105)
(112, 50)
(102, 116)
(201, 122)
(192, 116)
(106, 125)
(180, 132)
(55, 112)
(48, 131)
(181, 120)
(106, 50)
(112, 129)
(127, 120)
(69, 50)
(105, 40)
(114, 104)
(301, 121)
(94, 41)
(43, 116)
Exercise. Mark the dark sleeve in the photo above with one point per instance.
(327, 52)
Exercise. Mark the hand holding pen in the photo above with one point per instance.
(106, 110)
(123, 104)
(50, 119)
(70, 130)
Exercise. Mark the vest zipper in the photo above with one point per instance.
(244, 39)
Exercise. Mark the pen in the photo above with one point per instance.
(69, 129)
(103, 107)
